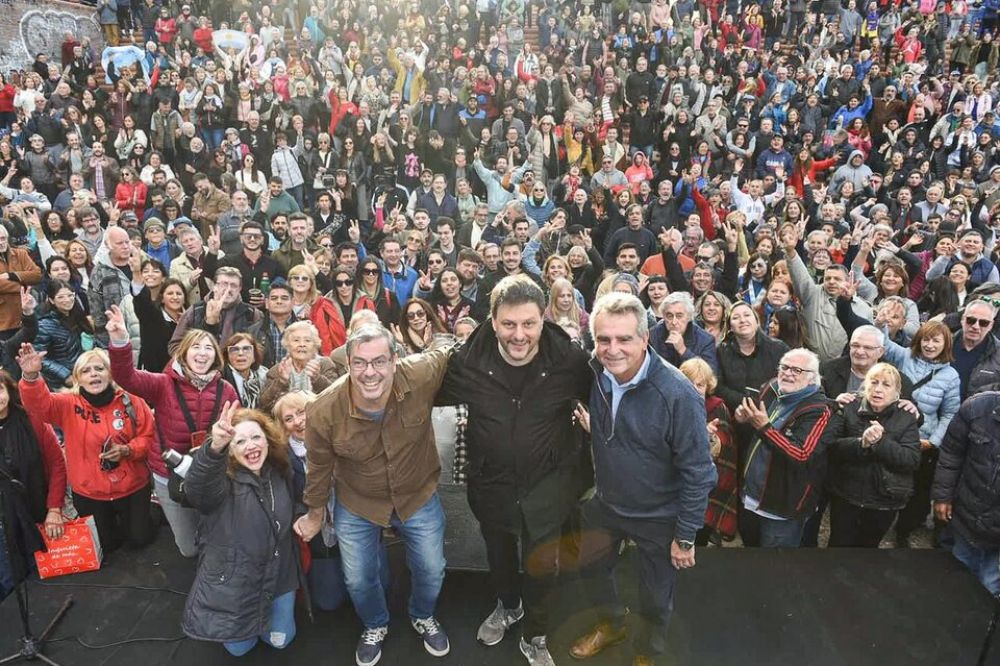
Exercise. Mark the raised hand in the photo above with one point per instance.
(354, 232)
(117, 331)
(30, 360)
(214, 241)
(223, 429)
(424, 281)
(28, 302)
(135, 264)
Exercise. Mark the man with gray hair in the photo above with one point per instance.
(653, 473)
(677, 338)
(371, 431)
(785, 466)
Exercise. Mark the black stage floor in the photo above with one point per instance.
(738, 606)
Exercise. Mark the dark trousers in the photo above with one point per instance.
(538, 555)
(855, 527)
(123, 521)
(601, 542)
(915, 512)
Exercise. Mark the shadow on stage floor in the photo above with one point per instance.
(737, 606)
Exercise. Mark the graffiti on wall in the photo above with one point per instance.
(41, 31)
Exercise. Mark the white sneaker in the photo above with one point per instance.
(493, 628)
(536, 652)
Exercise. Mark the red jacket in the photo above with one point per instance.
(86, 428)
(52, 459)
(165, 30)
(132, 196)
(203, 39)
(7, 98)
(158, 389)
(328, 320)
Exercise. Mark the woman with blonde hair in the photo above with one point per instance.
(874, 452)
(309, 305)
(562, 304)
(302, 369)
(723, 501)
(187, 397)
(108, 433)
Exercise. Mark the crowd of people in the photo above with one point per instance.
(319, 258)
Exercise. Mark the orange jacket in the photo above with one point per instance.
(86, 428)
(19, 262)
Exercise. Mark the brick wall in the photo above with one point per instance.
(28, 28)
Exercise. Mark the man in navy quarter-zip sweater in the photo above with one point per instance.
(653, 473)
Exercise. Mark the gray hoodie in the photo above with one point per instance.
(858, 175)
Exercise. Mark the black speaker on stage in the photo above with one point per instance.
(463, 544)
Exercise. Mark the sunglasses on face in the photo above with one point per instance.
(416, 314)
(371, 271)
(343, 283)
(982, 323)
(300, 278)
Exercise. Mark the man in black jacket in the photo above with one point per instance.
(520, 378)
(964, 495)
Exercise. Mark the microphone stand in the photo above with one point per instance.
(31, 646)
(984, 652)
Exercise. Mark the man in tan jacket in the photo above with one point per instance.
(371, 434)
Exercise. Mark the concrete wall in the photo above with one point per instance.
(28, 28)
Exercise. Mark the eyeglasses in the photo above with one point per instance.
(416, 314)
(378, 364)
(798, 372)
(982, 323)
(253, 236)
(240, 349)
(702, 257)
(300, 278)
(371, 271)
(327, 245)
(857, 346)
(343, 283)
(435, 262)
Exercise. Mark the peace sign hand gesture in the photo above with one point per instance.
(424, 282)
(354, 232)
(214, 239)
(28, 302)
(117, 332)
(223, 429)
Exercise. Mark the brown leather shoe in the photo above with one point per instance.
(641, 660)
(602, 636)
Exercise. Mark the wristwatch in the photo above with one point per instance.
(684, 544)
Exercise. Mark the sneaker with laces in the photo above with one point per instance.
(536, 652)
(435, 640)
(493, 628)
(370, 646)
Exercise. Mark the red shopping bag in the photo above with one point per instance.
(78, 549)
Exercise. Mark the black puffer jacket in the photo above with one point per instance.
(248, 554)
(968, 468)
(879, 477)
(516, 440)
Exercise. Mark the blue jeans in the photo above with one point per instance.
(984, 562)
(296, 193)
(282, 628)
(760, 532)
(213, 138)
(423, 534)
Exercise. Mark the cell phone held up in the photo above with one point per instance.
(108, 465)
